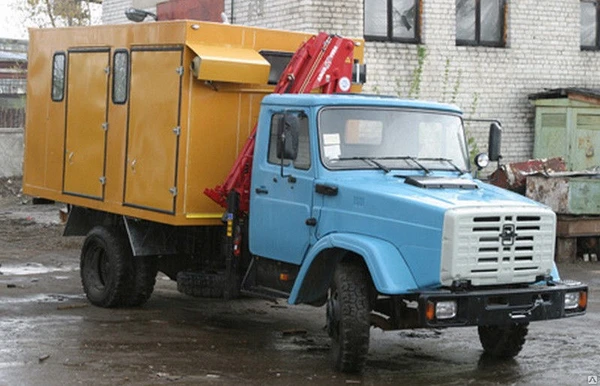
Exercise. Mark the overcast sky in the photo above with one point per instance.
(13, 25)
(10, 21)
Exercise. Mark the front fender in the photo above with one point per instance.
(388, 270)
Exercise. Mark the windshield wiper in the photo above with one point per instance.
(369, 160)
(447, 160)
(410, 158)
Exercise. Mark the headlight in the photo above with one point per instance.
(571, 300)
(445, 310)
(576, 300)
(482, 160)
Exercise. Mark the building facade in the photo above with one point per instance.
(486, 57)
(13, 73)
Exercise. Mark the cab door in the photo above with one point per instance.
(281, 206)
(86, 122)
(154, 128)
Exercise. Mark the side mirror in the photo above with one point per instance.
(494, 142)
(287, 137)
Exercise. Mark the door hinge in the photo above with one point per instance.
(173, 191)
(179, 70)
(177, 130)
(105, 126)
(107, 70)
(102, 180)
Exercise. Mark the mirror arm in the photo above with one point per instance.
(282, 159)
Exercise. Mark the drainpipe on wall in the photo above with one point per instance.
(232, 20)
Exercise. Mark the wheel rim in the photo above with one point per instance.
(103, 266)
(99, 263)
(333, 315)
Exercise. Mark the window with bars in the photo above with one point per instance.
(481, 23)
(393, 20)
(590, 25)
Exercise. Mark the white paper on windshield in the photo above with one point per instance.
(331, 139)
(332, 151)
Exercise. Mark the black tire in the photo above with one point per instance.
(106, 268)
(145, 269)
(502, 342)
(348, 317)
(201, 284)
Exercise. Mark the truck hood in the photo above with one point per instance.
(407, 214)
(438, 193)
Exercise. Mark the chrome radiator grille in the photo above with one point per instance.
(508, 245)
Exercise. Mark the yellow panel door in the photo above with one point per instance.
(85, 140)
(153, 131)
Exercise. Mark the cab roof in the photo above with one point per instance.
(316, 100)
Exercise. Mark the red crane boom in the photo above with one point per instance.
(324, 62)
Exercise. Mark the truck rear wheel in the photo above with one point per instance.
(145, 269)
(105, 267)
(348, 317)
(502, 341)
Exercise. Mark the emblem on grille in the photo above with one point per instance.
(508, 234)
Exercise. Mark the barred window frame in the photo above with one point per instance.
(593, 30)
(478, 34)
(406, 19)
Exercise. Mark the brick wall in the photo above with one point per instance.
(113, 11)
(542, 52)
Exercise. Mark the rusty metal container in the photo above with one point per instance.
(566, 193)
(513, 176)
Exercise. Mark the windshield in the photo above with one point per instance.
(387, 138)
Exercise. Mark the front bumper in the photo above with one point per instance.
(501, 306)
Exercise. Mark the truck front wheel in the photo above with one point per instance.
(348, 317)
(502, 341)
(106, 268)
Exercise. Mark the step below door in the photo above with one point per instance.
(153, 129)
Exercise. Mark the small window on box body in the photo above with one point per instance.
(278, 61)
(58, 76)
(120, 76)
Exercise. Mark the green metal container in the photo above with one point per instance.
(567, 125)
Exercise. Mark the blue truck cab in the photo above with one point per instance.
(367, 204)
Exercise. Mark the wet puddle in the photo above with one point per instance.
(41, 298)
(34, 269)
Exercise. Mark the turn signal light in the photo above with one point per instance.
(430, 311)
(583, 300)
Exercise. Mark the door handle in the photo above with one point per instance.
(261, 190)
(326, 190)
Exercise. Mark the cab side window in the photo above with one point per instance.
(302, 161)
